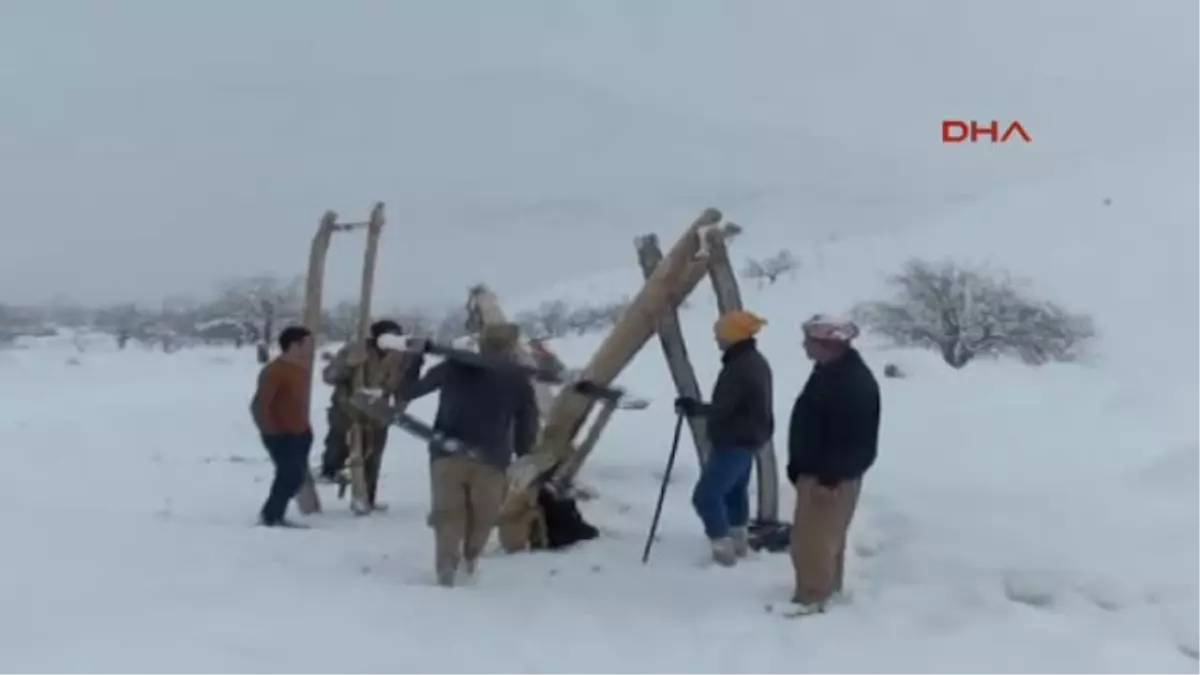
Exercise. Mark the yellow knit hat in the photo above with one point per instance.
(738, 325)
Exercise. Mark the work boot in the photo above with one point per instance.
(741, 541)
(723, 552)
(446, 577)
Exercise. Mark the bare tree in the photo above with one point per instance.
(125, 322)
(966, 313)
(452, 325)
(262, 301)
(769, 269)
(550, 320)
(416, 321)
(341, 321)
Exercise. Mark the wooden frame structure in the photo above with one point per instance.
(669, 279)
(307, 500)
(729, 298)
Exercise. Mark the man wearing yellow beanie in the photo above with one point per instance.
(739, 419)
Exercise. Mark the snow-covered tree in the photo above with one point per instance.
(262, 301)
(966, 313)
(341, 321)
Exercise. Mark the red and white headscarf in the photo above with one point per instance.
(828, 327)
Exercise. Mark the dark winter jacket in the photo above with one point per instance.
(491, 410)
(741, 412)
(835, 422)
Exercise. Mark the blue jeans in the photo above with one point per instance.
(289, 453)
(722, 496)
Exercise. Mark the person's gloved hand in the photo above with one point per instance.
(686, 405)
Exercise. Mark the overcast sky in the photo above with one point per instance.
(150, 148)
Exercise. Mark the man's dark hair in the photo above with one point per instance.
(385, 327)
(292, 335)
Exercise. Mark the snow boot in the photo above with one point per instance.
(741, 541)
(723, 552)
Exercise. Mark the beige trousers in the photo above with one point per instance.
(819, 531)
(467, 498)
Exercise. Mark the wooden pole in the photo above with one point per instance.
(670, 335)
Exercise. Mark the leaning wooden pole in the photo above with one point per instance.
(693, 273)
(670, 335)
(307, 499)
(729, 298)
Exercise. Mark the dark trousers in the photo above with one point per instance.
(289, 454)
(722, 496)
(337, 450)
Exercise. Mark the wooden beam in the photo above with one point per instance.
(360, 502)
(670, 335)
(729, 298)
(307, 499)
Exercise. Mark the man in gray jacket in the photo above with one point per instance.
(493, 414)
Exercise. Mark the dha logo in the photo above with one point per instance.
(959, 131)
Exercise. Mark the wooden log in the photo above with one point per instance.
(627, 337)
(729, 298)
(670, 335)
(307, 499)
(694, 271)
(360, 502)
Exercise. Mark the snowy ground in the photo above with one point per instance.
(1018, 520)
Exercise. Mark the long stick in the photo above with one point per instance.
(662, 490)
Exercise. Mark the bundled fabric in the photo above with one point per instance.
(831, 328)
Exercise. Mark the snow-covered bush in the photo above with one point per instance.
(966, 313)
(769, 269)
(557, 318)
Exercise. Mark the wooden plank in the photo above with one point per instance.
(307, 499)
(729, 298)
(356, 461)
(670, 335)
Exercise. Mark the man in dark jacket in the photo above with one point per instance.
(388, 370)
(832, 443)
(739, 419)
(493, 414)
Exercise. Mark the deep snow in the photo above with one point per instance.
(1019, 519)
